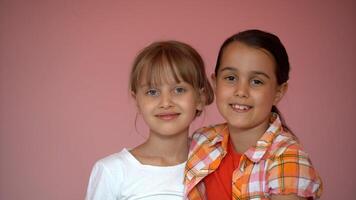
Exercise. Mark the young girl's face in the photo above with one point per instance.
(168, 108)
(246, 87)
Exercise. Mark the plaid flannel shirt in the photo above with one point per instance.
(275, 165)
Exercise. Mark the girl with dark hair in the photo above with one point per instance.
(253, 155)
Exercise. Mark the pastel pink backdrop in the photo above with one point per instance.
(64, 100)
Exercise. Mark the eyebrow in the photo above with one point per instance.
(261, 73)
(253, 72)
(228, 69)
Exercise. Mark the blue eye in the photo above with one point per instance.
(179, 90)
(152, 92)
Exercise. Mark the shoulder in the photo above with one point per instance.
(288, 151)
(113, 161)
(112, 167)
(208, 142)
(208, 133)
(285, 143)
(107, 177)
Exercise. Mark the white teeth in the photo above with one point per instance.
(240, 107)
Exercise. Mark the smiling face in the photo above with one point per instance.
(169, 107)
(246, 87)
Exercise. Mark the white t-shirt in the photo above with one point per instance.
(121, 176)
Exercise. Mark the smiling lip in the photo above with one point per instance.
(168, 116)
(240, 107)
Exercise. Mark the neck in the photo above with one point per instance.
(169, 146)
(163, 150)
(243, 139)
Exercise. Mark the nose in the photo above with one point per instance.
(165, 100)
(242, 90)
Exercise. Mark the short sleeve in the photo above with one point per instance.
(102, 183)
(292, 173)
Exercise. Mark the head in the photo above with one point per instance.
(257, 40)
(160, 61)
(262, 40)
(164, 71)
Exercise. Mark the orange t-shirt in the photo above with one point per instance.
(219, 183)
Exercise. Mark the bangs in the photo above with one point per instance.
(160, 70)
(167, 66)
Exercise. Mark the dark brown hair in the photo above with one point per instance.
(269, 42)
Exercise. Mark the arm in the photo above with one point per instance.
(291, 175)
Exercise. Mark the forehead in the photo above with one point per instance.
(241, 57)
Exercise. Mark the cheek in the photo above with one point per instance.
(222, 92)
(188, 101)
(266, 98)
(144, 106)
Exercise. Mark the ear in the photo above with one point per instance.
(213, 78)
(281, 90)
(201, 99)
(134, 96)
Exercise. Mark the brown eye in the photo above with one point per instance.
(256, 82)
(230, 78)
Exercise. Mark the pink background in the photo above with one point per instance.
(64, 100)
